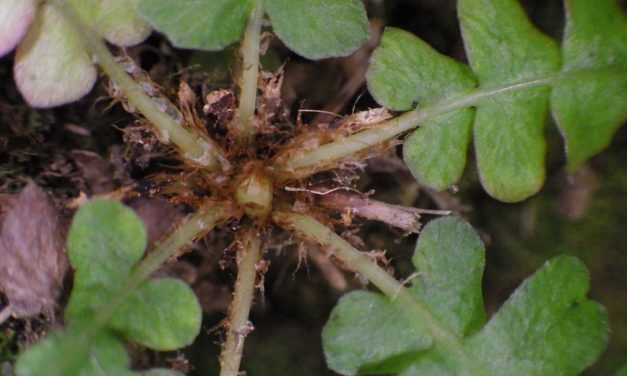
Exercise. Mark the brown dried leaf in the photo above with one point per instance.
(97, 171)
(158, 216)
(32, 258)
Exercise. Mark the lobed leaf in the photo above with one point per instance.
(589, 110)
(162, 314)
(199, 24)
(450, 257)
(319, 29)
(547, 327)
(51, 67)
(105, 241)
(404, 72)
(506, 53)
(369, 332)
(70, 352)
(15, 18)
(64, 353)
(504, 47)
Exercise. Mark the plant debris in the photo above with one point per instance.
(33, 262)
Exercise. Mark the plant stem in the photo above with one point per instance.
(238, 326)
(362, 264)
(198, 150)
(250, 72)
(193, 227)
(300, 164)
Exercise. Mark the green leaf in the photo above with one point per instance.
(15, 18)
(162, 314)
(105, 240)
(590, 109)
(318, 29)
(64, 353)
(118, 21)
(504, 47)
(405, 71)
(51, 67)
(449, 257)
(515, 66)
(366, 329)
(547, 327)
(199, 24)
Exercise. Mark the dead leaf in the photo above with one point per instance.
(97, 171)
(33, 262)
(158, 216)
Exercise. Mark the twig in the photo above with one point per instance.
(402, 217)
(238, 325)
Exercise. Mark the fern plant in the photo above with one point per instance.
(434, 323)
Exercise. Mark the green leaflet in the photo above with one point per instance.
(59, 355)
(162, 314)
(368, 332)
(449, 258)
(547, 326)
(405, 71)
(319, 28)
(104, 355)
(199, 24)
(315, 28)
(105, 241)
(590, 109)
(504, 47)
(507, 54)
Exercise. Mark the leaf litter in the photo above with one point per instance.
(33, 262)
